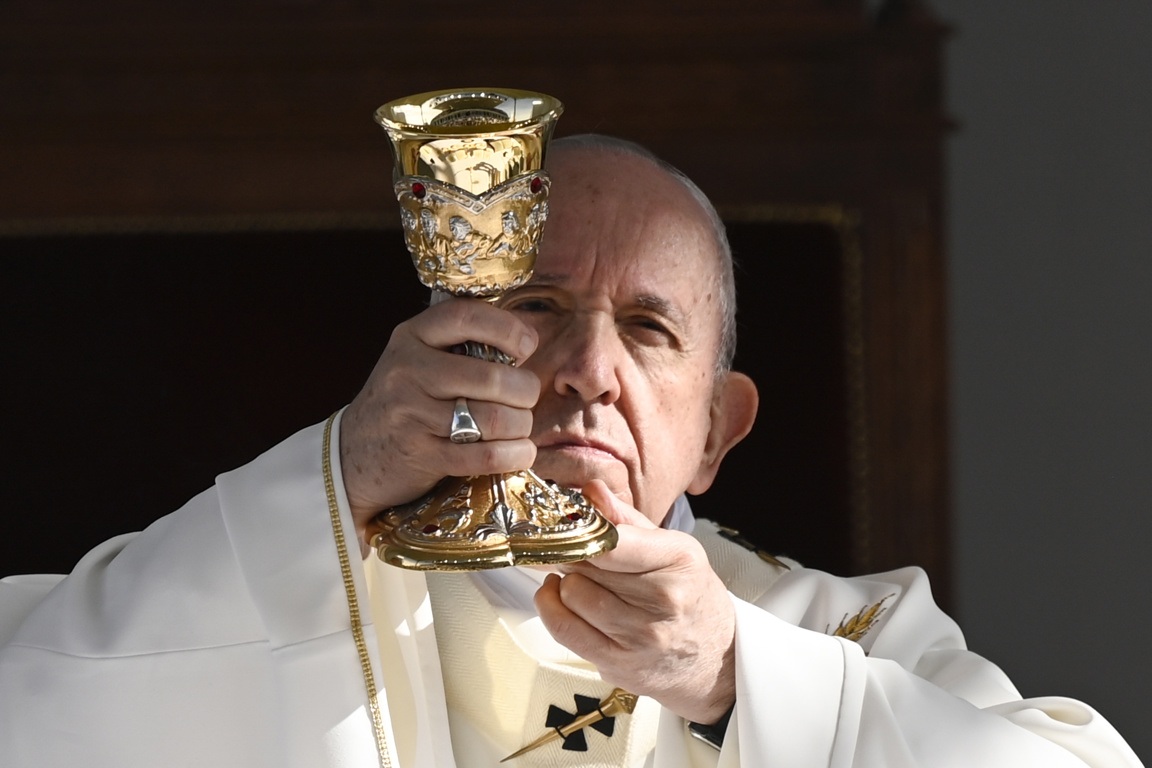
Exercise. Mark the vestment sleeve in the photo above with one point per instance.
(218, 636)
(905, 692)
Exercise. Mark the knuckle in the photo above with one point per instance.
(674, 596)
(462, 317)
(694, 551)
(525, 385)
(512, 423)
(405, 449)
(402, 331)
(480, 458)
(527, 452)
(500, 423)
(493, 378)
(647, 635)
(570, 587)
(524, 422)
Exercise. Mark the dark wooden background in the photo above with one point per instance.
(196, 193)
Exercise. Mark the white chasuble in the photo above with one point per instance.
(240, 631)
(504, 676)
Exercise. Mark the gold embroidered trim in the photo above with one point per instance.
(353, 603)
(856, 627)
(734, 536)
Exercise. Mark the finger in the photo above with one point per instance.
(426, 454)
(612, 614)
(456, 321)
(615, 510)
(639, 550)
(567, 626)
(448, 376)
(486, 457)
(423, 397)
(642, 546)
(495, 421)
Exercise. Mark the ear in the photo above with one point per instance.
(734, 405)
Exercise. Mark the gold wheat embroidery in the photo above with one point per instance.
(856, 627)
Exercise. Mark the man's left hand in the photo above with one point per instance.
(652, 615)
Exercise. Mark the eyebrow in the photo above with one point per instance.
(662, 307)
(649, 301)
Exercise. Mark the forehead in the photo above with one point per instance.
(618, 222)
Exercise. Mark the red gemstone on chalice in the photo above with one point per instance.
(536, 185)
(573, 516)
(430, 528)
(418, 190)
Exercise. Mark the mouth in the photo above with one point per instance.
(578, 447)
(573, 460)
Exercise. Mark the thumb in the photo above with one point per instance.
(615, 510)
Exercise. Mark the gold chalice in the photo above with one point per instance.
(473, 201)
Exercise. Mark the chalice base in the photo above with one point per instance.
(492, 521)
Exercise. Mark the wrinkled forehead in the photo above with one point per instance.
(606, 194)
(616, 171)
(622, 227)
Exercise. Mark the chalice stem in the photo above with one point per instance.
(487, 352)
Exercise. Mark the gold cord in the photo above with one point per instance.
(353, 603)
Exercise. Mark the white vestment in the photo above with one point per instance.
(223, 635)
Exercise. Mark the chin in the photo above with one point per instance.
(575, 474)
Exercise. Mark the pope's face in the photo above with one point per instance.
(625, 300)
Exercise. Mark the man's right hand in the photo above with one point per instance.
(394, 442)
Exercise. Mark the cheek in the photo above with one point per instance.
(677, 431)
(685, 405)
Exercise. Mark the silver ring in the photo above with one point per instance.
(464, 429)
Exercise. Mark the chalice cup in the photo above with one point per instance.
(473, 201)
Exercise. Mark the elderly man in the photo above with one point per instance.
(241, 630)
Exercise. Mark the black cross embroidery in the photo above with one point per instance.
(558, 718)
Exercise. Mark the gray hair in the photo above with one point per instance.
(726, 272)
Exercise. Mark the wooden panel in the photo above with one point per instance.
(149, 363)
(790, 485)
(127, 113)
(226, 108)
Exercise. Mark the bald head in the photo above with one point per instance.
(573, 148)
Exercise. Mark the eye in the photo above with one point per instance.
(529, 304)
(652, 325)
(651, 331)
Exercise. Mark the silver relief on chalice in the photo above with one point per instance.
(453, 519)
(473, 245)
(498, 522)
(550, 507)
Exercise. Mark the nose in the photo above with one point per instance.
(588, 355)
